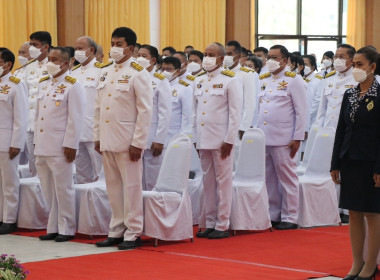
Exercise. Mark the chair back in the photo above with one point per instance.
(309, 145)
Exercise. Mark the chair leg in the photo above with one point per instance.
(155, 242)
(192, 240)
(340, 224)
(91, 237)
(234, 232)
(271, 229)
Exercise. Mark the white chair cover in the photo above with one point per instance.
(195, 187)
(318, 201)
(250, 206)
(33, 212)
(92, 208)
(23, 171)
(309, 145)
(167, 208)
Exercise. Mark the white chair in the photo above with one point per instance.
(318, 204)
(23, 171)
(93, 208)
(167, 208)
(250, 206)
(195, 187)
(33, 211)
(309, 145)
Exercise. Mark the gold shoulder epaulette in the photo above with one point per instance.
(137, 66)
(182, 82)
(228, 73)
(159, 76)
(306, 80)
(19, 68)
(76, 67)
(31, 61)
(318, 77)
(190, 77)
(246, 69)
(202, 73)
(106, 64)
(70, 79)
(15, 80)
(264, 76)
(98, 64)
(332, 73)
(290, 74)
(44, 79)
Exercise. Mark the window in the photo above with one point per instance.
(307, 26)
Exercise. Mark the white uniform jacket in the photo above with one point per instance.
(123, 107)
(59, 115)
(282, 108)
(13, 113)
(217, 108)
(89, 77)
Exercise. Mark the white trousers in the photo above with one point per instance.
(217, 182)
(56, 177)
(124, 189)
(282, 184)
(31, 156)
(88, 163)
(9, 188)
(151, 167)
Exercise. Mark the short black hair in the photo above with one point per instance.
(128, 34)
(197, 53)
(170, 49)
(189, 47)
(71, 50)
(137, 45)
(329, 54)
(7, 56)
(296, 53)
(313, 60)
(284, 51)
(350, 49)
(301, 62)
(152, 50)
(261, 49)
(65, 53)
(293, 59)
(244, 51)
(172, 60)
(256, 61)
(184, 56)
(372, 56)
(43, 36)
(235, 44)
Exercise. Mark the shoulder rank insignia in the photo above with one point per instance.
(290, 74)
(202, 73)
(102, 65)
(70, 79)
(306, 80)
(31, 61)
(98, 64)
(44, 79)
(228, 73)
(264, 76)
(159, 76)
(318, 77)
(14, 80)
(332, 73)
(246, 69)
(182, 82)
(137, 66)
(190, 77)
(76, 67)
(20, 68)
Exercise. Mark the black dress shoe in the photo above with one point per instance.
(128, 245)
(345, 219)
(286, 225)
(373, 276)
(6, 228)
(274, 223)
(63, 238)
(110, 241)
(49, 236)
(218, 234)
(205, 233)
(350, 277)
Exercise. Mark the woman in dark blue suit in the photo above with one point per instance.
(356, 161)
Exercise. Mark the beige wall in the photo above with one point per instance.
(238, 21)
(373, 23)
(70, 21)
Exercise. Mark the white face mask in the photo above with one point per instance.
(323, 66)
(117, 53)
(360, 75)
(273, 65)
(164, 56)
(228, 60)
(81, 56)
(143, 62)
(209, 63)
(326, 62)
(34, 52)
(307, 70)
(168, 75)
(2, 70)
(52, 68)
(193, 67)
(340, 64)
(23, 60)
